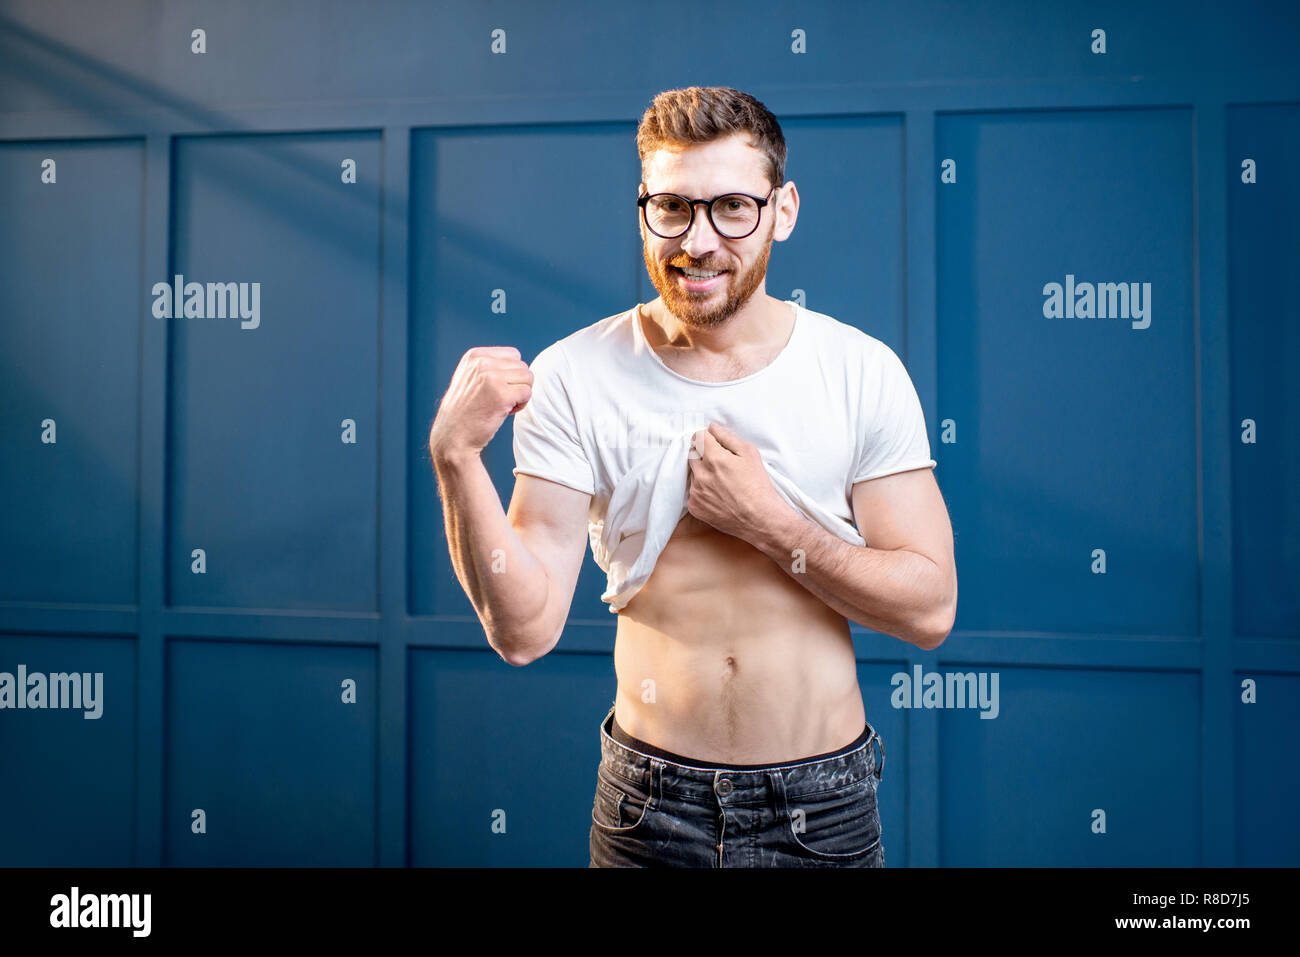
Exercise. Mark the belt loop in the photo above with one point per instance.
(656, 783)
(777, 784)
(880, 768)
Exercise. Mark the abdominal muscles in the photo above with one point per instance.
(723, 656)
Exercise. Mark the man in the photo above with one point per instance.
(716, 446)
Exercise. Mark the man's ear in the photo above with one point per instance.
(791, 202)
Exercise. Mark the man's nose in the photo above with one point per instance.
(701, 238)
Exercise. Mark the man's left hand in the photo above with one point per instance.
(727, 485)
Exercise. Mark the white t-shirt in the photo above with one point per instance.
(608, 417)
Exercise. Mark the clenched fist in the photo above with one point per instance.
(490, 382)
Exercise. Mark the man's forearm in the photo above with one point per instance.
(900, 593)
(509, 589)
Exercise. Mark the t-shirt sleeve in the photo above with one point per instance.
(546, 442)
(892, 433)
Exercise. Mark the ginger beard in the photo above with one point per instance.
(704, 310)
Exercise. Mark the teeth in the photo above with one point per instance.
(694, 274)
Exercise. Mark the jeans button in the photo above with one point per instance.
(723, 787)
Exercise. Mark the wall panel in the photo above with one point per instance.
(264, 476)
(67, 796)
(263, 741)
(1072, 464)
(69, 444)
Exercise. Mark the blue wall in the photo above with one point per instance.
(1123, 496)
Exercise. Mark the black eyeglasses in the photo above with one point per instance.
(733, 215)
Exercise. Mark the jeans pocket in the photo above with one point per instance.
(620, 805)
(837, 826)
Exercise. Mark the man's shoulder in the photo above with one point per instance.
(588, 342)
(843, 339)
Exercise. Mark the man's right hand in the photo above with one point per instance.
(490, 382)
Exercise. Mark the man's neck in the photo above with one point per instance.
(761, 326)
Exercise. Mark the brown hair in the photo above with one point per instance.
(677, 119)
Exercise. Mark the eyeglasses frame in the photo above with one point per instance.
(708, 209)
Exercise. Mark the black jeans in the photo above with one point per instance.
(652, 812)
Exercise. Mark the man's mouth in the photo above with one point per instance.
(698, 279)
